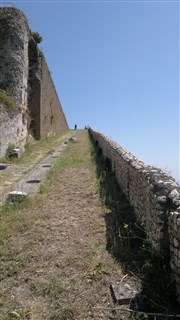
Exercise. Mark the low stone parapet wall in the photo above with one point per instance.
(154, 195)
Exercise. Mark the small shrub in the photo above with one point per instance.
(41, 54)
(36, 36)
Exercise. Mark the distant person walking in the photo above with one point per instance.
(75, 126)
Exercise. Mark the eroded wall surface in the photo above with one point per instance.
(34, 89)
(46, 113)
(10, 126)
(14, 37)
(154, 195)
(52, 116)
(25, 76)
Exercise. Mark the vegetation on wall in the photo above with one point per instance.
(6, 99)
(36, 36)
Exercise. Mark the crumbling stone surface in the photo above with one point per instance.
(17, 196)
(16, 153)
(122, 292)
(14, 37)
(10, 133)
(73, 139)
(24, 74)
(154, 195)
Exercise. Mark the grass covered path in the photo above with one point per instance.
(53, 259)
(35, 152)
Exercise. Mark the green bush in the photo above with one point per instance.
(36, 37)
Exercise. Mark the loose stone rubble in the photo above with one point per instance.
(123, 293)
(73, 139)
(16, 196)
(16, 153)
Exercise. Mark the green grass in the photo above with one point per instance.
(36, 149)
(73, 157)
(14, 220)
(126, 242)
(14, 217)
(17, 220)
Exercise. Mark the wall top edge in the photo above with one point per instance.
(158, 178)
(13, 14)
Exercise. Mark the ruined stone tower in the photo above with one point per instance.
(14, 37)
(24, 75)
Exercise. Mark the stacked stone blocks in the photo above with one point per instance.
(155, 197)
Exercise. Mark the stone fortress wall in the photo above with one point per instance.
(25, 76)
(52, 116)
(153, 194)
(13, 75)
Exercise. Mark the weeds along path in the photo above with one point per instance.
(53, 258)
(35, 151)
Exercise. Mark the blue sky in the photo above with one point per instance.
(115, 65)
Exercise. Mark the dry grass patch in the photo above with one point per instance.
(58, 266)
(36, 150)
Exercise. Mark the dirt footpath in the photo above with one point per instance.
(63, 270)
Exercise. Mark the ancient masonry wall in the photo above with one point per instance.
(9, 129)
(46, 113)
(154, 195)
(34, 89)
(25, 76)
(14, 37)
(52, 116)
